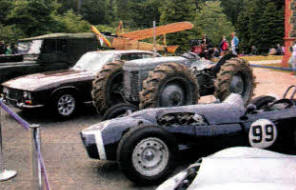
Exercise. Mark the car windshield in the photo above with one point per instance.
(93, 61)
(30, 49)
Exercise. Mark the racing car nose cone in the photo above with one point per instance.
(148, 155)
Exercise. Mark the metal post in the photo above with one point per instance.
(4, 174)
(36, 164)
(154, 38)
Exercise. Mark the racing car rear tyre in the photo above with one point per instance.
(107, 86)
(262, 101)
(119, 110)
(169, 84)
(146, 155)
(235, 76)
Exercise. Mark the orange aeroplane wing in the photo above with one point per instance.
(160, 30)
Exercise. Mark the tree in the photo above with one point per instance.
(272, 27)
(261, 23)
(211, 20)
(143, 13)
(71, 22)
(94, 11)
(232, 8)
(10, 33)
(178, 11)
(32, 17)
(5, 7)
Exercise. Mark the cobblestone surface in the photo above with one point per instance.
(66, 160)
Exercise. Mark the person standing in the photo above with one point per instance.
(292, 60)
(223, 46)
(234, 43)
(8, 50)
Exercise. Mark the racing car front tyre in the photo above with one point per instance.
(107, 86)
(146, 155)
(235, 76)
(119, 110)
(169, 84)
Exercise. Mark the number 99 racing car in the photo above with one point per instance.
(146, 142)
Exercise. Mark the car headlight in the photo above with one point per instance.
(27, 95)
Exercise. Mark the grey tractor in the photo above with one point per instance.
(122, 87)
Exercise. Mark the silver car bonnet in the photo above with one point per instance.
(246, 168)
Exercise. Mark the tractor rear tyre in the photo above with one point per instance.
(169, 84)
(235, 76)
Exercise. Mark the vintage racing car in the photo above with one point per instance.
(240, 168)
(145, 143)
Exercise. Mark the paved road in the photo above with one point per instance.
(66, 160)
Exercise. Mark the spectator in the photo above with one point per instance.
(14, 48)
(254, 50)
(292, 60)
(223, 46)
(8, 50)
(234, 43)
(2, 48)
(216, 52)
(279, 49)
(272, 51)
(206, 41)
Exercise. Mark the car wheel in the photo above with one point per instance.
(146, 155)
(262, 101)
(107, 86)
(65, 104)
(235, 76)
(119, 110)
(169, 84)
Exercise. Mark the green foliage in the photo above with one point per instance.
(211, 21)
(10, 33)
(272, 29)
(261, 23)
(178, 11)
(106, 28)
(94, 11)
(232, 8)
(138, 13)
(71, 22)
(5, 7)
(257, 22)
(32, 17)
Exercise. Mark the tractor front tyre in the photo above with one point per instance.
(107, 86)
(169, 84)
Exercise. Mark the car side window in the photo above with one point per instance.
(146, 55)
(48, 46)
(62, 46)
(131, 56)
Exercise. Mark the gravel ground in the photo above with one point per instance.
(66, 160)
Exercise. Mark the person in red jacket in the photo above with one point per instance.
(224, 46)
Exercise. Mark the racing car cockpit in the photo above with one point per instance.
(270, 103)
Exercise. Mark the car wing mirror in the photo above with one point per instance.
(251, 108)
